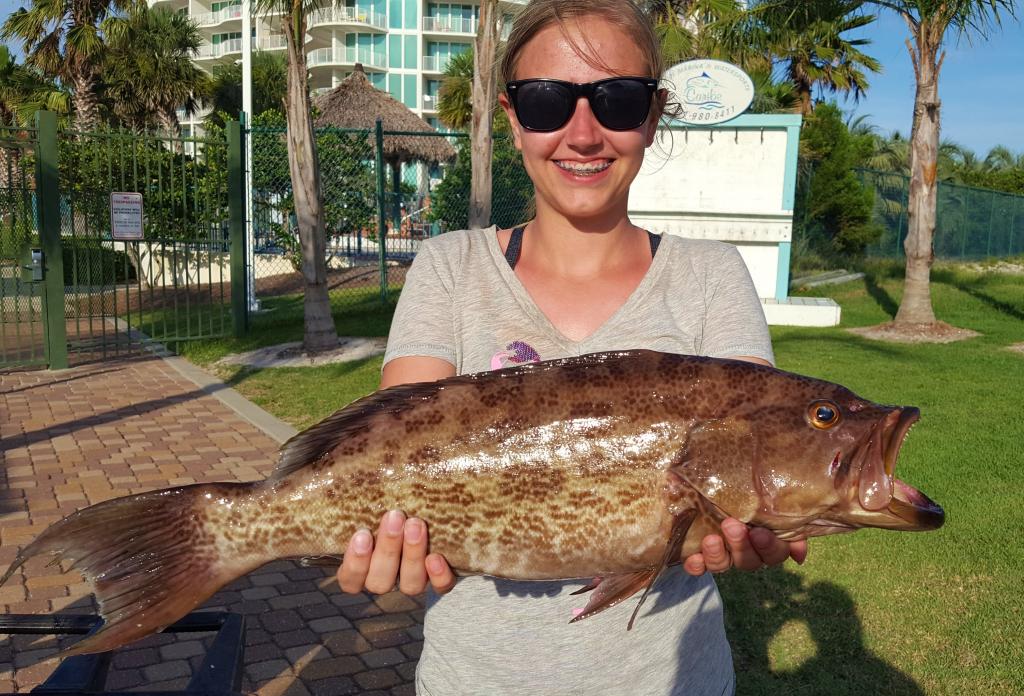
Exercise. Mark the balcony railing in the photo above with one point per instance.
(221, 49)
(348, 15)
(346, 55)
(430, 102)
(435, 63)
(273, 41)
(224, 14)
(449, 25)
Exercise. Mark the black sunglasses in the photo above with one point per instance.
(619, 103)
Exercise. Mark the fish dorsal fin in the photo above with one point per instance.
(318, 440)
(312, 444)
(614, 589)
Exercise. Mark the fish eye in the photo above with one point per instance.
(823, 414)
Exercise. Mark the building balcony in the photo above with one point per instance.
(347, 56)
(429, 102)
(435, 64)
(449, 25)
(348, 15)
(224, 14)
(224, 48)
(272, 42)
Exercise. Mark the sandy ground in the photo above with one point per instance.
(939, 332)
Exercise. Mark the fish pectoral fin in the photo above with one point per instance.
(613, 589)
(593, 584)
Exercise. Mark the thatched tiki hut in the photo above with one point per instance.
(355, 103)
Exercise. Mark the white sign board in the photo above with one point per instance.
(126, 215)
(709, 91)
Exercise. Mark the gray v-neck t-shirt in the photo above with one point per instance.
(463, 303)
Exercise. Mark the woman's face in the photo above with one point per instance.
(583, 170)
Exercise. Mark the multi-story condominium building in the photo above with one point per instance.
(403, 45)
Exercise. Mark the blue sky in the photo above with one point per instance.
(981, 85)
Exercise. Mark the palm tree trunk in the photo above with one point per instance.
(320, 333)
(916, 305)
(485, 98)
(87, 105)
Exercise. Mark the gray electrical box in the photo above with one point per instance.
(35, 266)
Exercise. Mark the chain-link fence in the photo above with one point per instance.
(971, 223)
(412, 185)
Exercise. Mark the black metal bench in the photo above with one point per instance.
(219, 675)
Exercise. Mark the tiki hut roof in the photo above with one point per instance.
(355, 103)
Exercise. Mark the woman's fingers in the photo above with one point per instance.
(744, 550)
(356, 564)
(399, 556)
(441, 576)
(387, 554)
(413, 572)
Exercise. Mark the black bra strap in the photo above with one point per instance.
(515, 245)
(655, 240)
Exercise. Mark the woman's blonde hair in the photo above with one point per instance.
(540, 14)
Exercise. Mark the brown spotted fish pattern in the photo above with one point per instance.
(608, 466)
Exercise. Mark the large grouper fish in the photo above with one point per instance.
(609, 466)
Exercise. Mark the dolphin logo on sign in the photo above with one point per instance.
(701, 92)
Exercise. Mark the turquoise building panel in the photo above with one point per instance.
(410, 91)
(411, 52)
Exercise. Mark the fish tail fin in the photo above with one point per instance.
(149, 558)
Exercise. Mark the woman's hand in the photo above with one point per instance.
(400, 556)
(743, 548)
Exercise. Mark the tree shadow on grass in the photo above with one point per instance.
(777, 605)
(843, 338)
(973, 289)
(880, 295)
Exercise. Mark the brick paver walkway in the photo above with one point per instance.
(80, 436)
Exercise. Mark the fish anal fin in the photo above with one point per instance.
(613, 589)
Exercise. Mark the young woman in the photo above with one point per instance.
(584, 103)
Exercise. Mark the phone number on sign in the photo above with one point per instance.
(701, 116)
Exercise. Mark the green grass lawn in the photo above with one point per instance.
(882, 612)
(869, 613)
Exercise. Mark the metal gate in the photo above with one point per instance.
(22, 339)
(141, 241)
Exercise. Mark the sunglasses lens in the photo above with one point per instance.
(621, 104)
(543, 106)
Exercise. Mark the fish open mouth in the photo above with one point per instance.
(907, 503)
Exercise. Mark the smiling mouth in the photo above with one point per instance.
(583, 169)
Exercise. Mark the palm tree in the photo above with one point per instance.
(690, 29)
(319, 332)
(23, 91)
(1001, 158)
(808, 40)
(269, 85)
(149, 71)
(773, 96)
(455, 102)
(928, 23)
(485, 101)
(62, 39)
